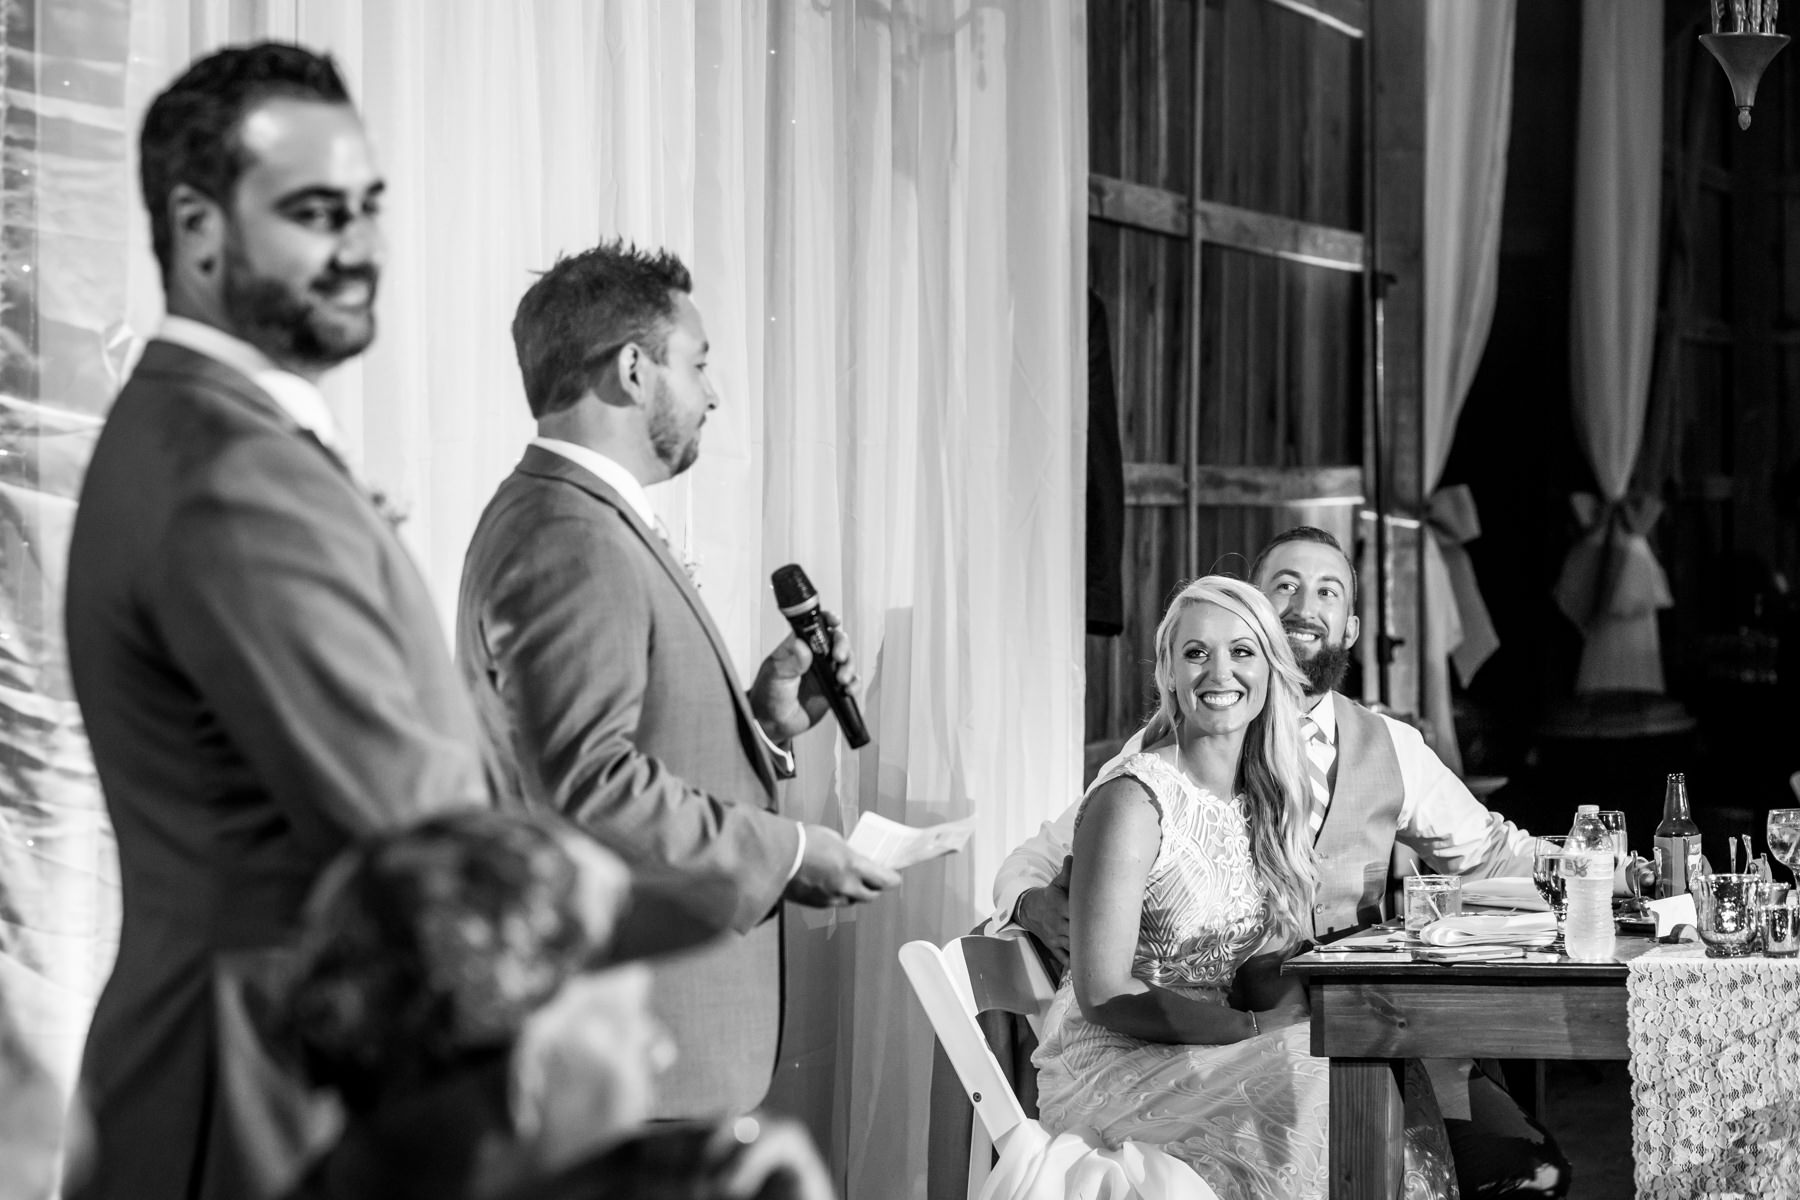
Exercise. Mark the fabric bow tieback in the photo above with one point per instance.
(1611, 572)
(1464, 628)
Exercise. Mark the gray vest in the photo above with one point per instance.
(1357, 840)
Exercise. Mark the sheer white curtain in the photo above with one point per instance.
(883, 204)
(1468, 122)
(1611, 584)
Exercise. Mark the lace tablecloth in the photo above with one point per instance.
(1715, 1074)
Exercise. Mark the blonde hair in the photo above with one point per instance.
(1271, 772)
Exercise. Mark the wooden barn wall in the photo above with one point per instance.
(1280, 353)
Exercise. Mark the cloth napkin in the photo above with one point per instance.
(1504, 891)
(1492, 929)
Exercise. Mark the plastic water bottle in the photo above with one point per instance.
(1588, 871)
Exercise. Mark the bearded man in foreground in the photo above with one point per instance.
(259, 666)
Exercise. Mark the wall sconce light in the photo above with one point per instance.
(1746, 51)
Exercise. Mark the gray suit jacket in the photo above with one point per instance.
(592, 657)
(263, 678)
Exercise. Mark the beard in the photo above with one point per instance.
(676, 447)
(1329, 662)
(299, 326)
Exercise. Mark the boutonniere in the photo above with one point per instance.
(680, 554)
(690, 564)
(392, 510)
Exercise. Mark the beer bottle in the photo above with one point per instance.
(1677, 841)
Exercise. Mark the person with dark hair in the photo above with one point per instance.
(259, 666)
(1373, 782)
(594, 662)
(457, 986)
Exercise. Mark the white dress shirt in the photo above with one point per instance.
(1439, 818)
(299, 397)
(608, 471)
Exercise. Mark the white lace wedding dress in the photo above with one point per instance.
(1249, 1117)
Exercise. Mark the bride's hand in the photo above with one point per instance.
(1293, 1012)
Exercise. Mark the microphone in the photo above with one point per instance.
(799, 603)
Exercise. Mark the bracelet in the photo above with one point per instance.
(1255, 1029)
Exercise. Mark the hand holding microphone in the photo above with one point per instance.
(784, 701)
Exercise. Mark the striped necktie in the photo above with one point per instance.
(1319, 754)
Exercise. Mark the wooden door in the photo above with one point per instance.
(1232, 184)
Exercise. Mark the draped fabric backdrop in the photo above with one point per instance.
(1468, 122)
(883, 202)
(1611, 584)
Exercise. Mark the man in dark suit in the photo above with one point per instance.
(591, 655)
(259, 666)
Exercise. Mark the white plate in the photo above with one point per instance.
(1504, 891)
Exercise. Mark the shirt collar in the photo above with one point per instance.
(607, 471)
(298, 397)
(1324, 715)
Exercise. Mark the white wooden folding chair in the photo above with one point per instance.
(965, 978)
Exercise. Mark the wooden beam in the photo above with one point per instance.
(1280, 237)
(1195, 396)
(1166, 485)
(1158, 210)
(1277, 487)
(1348, 17)
(1138, 205)
(1155, 485)
(1396, 79)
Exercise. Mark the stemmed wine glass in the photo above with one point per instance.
(1614, 820)
(1784, 838)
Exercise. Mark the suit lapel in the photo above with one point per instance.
(172, 359)
(169, 358)
(545, 464)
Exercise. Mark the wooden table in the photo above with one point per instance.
(1372, 1011)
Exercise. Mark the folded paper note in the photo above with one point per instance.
(900, 846)
(1676, 910)
(1521, 929)
(1504, 891)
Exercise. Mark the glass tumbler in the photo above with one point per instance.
(1780, 920)
(1431, 897)
(1729, 907)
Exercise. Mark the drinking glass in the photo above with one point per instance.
(1729, 908)
(1546, 873)
(1430, 898)
(1614, 820)
(1784, 837)
(1780, 920)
